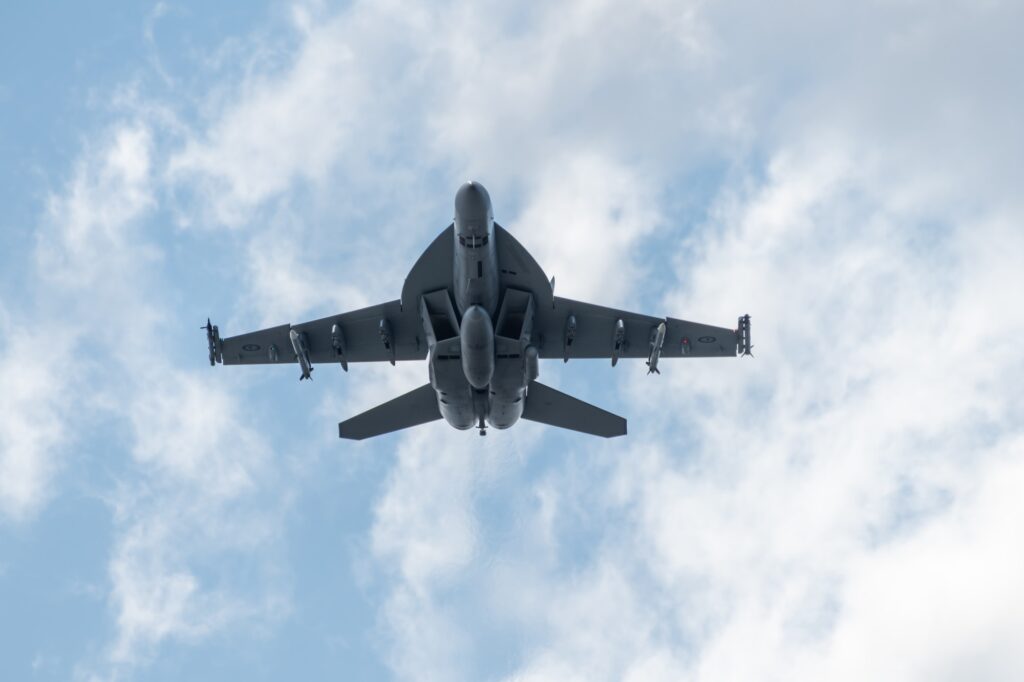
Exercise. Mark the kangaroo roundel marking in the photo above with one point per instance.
(251, 347)
(707, 339)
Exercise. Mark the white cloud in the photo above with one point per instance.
(154, 600)
(582, 216)
(188, 432)
(32, 418)
(77, 251)
(426, 535)
(324, 116)
(284, 286)
(425, 530)
(427, 542)
(425, 639)
(111, 187)
(526, 83)
(946, 603)
(846, 478)
(296, 123)
(196, 494)
(196, 504)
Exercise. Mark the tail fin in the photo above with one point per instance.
(554, 408)
(416, 407)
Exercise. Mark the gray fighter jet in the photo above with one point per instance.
(483, 314)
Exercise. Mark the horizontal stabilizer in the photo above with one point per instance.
(416, 407)
(554, 408)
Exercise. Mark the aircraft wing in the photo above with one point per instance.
(380, 333)
(595, 334)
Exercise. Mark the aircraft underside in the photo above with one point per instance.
(483, 314)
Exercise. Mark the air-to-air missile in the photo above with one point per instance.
(657, 341)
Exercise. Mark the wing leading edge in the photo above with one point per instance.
(574, 329)
(380, 333)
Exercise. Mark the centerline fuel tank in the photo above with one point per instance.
(477, 337)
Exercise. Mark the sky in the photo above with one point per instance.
(844, 506)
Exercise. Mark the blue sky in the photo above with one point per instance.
(845, 506)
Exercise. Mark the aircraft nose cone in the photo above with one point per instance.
(472, 202)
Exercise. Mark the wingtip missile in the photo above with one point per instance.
(743, 343)
(213, 342)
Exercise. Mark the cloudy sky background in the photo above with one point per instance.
(846, 506)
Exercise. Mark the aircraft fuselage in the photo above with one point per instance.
(488, 389)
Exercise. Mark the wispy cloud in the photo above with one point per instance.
(583, 218)
(191, 507)
(91, 217)
(80, 249)
(32, 418)
(850, 445)
(189, 498)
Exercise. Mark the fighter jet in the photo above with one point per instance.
(482, 313)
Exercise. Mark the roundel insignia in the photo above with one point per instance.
(707, 339)
(251, 347)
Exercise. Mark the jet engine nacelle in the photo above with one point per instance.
(477, 340)
(507, 399)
